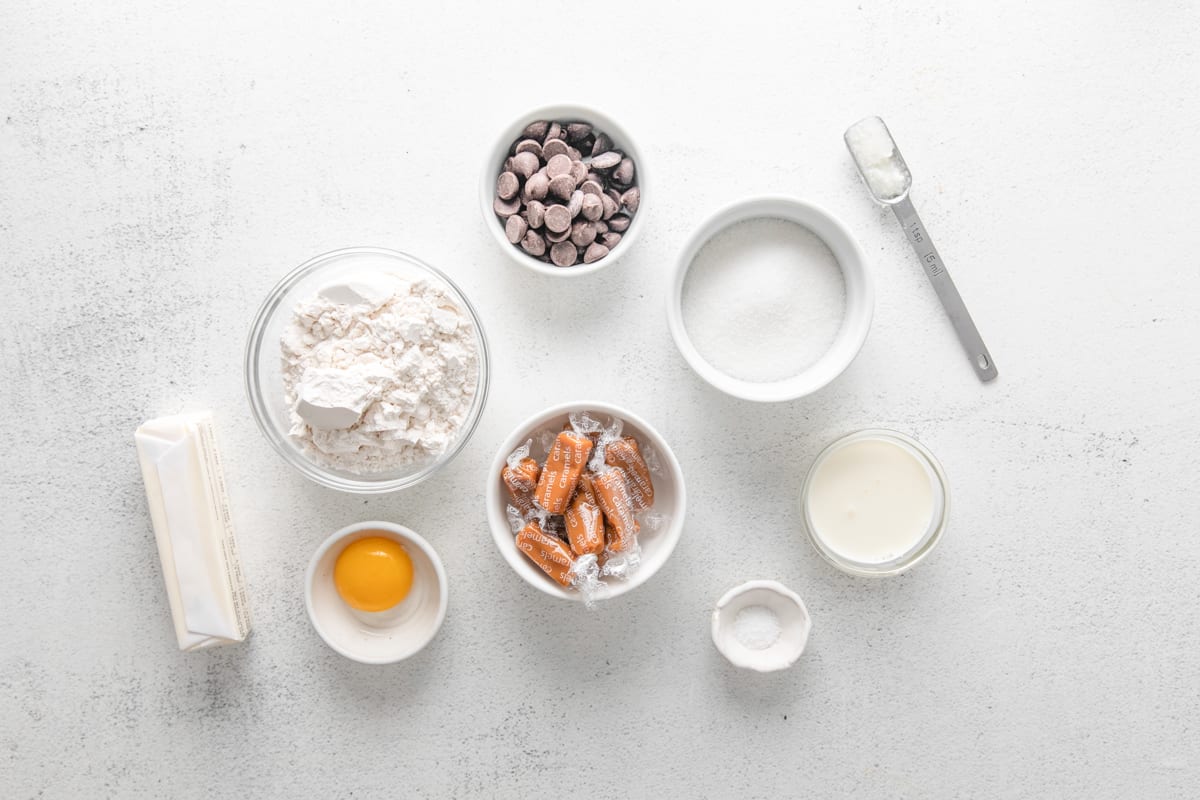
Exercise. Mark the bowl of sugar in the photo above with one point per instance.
(771, 299)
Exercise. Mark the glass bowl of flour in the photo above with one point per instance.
(367, 369)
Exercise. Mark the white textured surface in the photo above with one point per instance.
(160, 169)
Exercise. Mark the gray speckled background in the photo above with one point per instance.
(161, 169)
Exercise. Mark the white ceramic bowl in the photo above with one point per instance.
(670, 499)
(794, 626)
(264, 374)
(856, 322)
(495, 161)
(415, 621)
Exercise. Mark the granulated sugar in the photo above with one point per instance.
(763, 300)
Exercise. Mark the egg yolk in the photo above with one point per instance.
(373, 574)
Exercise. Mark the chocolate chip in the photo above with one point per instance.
(606, 160)
(558, 218)
(558, 165)
(619, 223)
(579, 172)
(516, 228)
(506, 208)
(602, 144)
(507, 186)
(562, 186)
(555, 131)
(592, 187)
(554, 237)
(601, 226)
(525, 164)
(593, 207)
(631, 199)
(582, 233)
(624, 172)
(597, 178)
(574, 154)
(577, 130)
(535, 214)
(533, 243)
(536, 130)
(594, 253)
(537, 186)
(575, 205)
(564, 254)
(610, 206)
(610, 239)
(529, 146)
(554, 147)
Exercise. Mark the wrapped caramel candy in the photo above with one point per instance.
(625, 454)
(612, 495)
(548, 552)
(585, 523)
(560, 475)
(521, 480)
(620, 564)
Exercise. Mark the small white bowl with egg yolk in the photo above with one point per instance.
(376, 592)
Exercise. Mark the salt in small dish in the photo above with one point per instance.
(757, 649)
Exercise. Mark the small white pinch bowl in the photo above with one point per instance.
(794, 626)
(856, 321)
(395, 635)
(670, 499)
(495, 161)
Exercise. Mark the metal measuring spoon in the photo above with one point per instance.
(886, 175)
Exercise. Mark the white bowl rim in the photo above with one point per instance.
(504, 538)
(487, 186)
(860, 297)
(776, 588)
(305, 466)
(410, 536)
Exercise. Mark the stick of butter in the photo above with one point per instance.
(185, 487)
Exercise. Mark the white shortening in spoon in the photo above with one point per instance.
(888, 179)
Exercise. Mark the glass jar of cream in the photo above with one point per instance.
(875, 503)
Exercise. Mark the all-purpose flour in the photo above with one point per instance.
(378, 373)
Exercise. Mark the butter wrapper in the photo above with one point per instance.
(185, 488)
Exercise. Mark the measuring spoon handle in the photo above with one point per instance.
(947, 292)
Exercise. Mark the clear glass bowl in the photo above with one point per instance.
(264, 373)
(922, 547)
